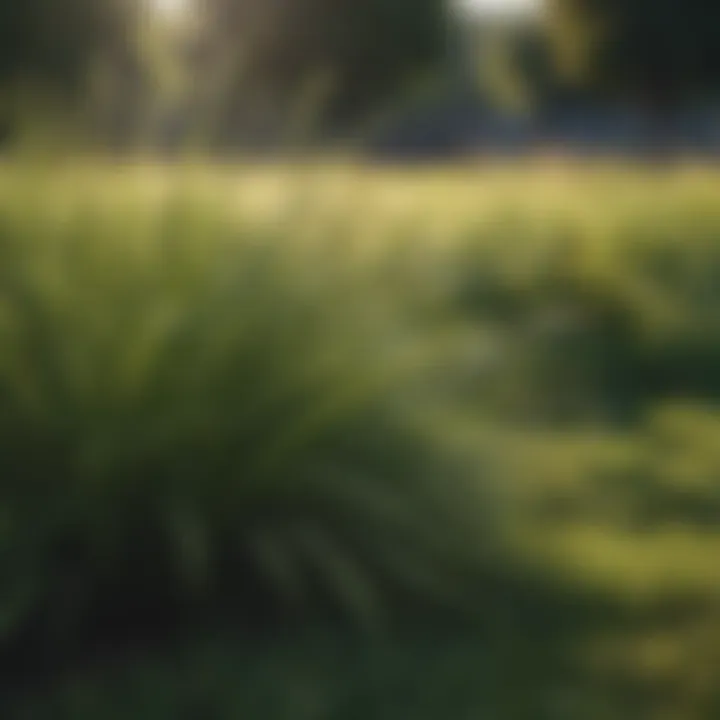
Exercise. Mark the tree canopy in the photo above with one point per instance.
(660, 52)
(49, 52)
(53, 44)
(366, 50)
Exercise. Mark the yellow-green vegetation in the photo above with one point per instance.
(471, 411)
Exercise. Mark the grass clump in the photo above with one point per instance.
(199, 419)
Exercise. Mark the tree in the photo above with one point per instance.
(515, 70)
(365, 50)
(52, 43)
(49, 48)
(657, 53)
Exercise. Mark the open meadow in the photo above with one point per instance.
(348, 441)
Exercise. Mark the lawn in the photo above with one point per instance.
(346, 441)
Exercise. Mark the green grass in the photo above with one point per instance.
(193, 411)
(341, 396)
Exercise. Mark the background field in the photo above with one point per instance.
(349, 441)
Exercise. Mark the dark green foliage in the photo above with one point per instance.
(659, 53)
(53, 45)
(49, 53)
(361, 54)
(515, 67)
(426, 675)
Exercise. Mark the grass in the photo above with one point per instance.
(276, 396)
(222, 405)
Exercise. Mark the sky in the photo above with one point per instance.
(499, 6)
(168, 7)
